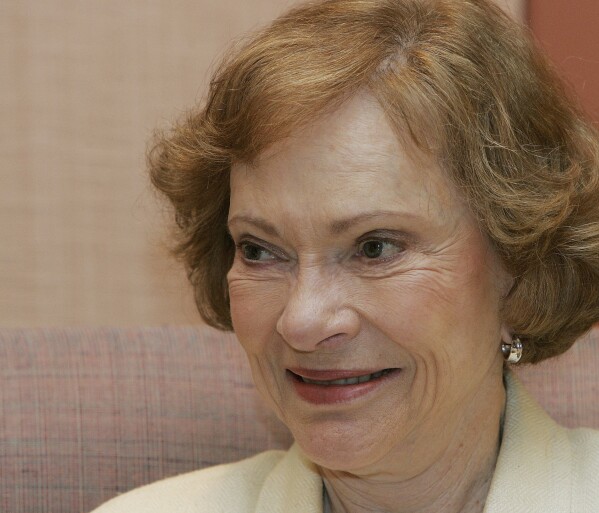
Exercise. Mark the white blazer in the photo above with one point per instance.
(541, 468)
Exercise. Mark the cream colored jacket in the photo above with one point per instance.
(542, 468)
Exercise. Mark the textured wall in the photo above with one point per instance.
(516, 8)
(568, 32)
(82, 85)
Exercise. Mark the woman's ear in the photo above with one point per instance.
(506, 283)
(506, 333)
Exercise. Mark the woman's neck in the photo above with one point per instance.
(454, 480)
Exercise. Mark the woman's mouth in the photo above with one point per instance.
(335, 386)
(348, 381)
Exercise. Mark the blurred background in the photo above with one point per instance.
(83, 240)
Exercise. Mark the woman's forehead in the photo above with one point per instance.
(358, 129)
(352, 155)
(354, 146)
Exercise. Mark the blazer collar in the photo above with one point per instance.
(293, 486)
(534, 466)
(533, 472)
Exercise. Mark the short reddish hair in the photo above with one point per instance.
(457, 77)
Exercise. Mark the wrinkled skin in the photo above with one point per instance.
(353, 253)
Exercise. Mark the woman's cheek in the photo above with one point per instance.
(255, 304)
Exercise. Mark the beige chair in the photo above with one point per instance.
(86, 414)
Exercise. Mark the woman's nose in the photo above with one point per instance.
(317, 311)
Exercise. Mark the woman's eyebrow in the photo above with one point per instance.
(261, 223)
(341, 225)
(336, 227)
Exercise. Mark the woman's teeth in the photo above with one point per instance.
(348, 381)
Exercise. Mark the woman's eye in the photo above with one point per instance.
(255, 253)
(378, 249)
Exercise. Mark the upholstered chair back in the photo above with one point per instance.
(86, 414)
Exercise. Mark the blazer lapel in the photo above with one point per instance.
(293, 486)
(534, 466)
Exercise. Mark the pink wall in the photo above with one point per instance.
(569, 32)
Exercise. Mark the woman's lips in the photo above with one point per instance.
(337, 386)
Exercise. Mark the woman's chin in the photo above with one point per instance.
(352, 434)
(341, 446)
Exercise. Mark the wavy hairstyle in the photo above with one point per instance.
(459, 79)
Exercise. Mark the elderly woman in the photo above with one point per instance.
(390, 202)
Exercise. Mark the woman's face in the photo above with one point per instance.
(355, 257)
